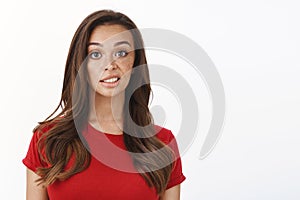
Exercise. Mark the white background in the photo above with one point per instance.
(255, 46)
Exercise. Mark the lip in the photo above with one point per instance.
(108, 84)
(109, 77)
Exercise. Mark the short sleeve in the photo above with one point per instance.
(168, 138)
(177, 176)
(33, 159)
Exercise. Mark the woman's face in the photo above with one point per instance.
(110, 59)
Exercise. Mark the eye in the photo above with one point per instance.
(121, 53)
(95, 55)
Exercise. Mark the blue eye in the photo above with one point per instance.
(95, 55)
(121, 54)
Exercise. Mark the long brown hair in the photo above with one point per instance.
(62, 140)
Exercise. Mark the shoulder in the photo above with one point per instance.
(44, 127)
(164, 134)
(35, 157)
(41, 130)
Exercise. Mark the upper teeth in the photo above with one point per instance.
(110, 80)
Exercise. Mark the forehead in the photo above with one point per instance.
(107, 34)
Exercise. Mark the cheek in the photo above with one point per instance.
(126, 64)
(94, 74)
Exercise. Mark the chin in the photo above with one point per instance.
(109, 93)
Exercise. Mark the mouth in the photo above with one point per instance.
(110, 82)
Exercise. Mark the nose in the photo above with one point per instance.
(111, 66)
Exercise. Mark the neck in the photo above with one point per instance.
(106, 113)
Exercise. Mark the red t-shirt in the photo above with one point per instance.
(104, 178)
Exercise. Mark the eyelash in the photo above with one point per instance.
(124, 54)
(92, 53)
(122, 51)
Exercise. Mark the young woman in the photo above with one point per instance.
(103, 144)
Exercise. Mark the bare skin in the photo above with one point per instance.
(111, 56)
(103, 97)
(33, 191)
(172, 193)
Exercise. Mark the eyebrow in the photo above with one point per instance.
(116, 44)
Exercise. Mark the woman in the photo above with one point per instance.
(103, 144)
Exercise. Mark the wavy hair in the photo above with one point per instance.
(62, 140)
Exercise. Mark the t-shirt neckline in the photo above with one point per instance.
(91, 127)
